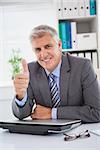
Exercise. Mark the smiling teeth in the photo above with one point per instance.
(47, 60)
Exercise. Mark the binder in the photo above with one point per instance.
(88, 55)
(86, 41)
(62, 34)
(73, 35)
(74, 54)
(68, 9)
(92, 7)
(65, 34)
(87, 7)
(81, 55)
(65, 9)
(60, 30)
(95, 59)
(75, 8)
(97, 71)
(81, 8)
(59, 9)
(68, 35)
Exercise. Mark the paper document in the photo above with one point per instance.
(96, 131)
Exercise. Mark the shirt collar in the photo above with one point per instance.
(56, 71)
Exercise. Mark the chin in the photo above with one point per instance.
(50, 69)
(49, 66)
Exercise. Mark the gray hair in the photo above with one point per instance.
(41, 30)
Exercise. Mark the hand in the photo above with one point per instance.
(41, 112)
(21, 81)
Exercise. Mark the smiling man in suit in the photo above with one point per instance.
(61, 86)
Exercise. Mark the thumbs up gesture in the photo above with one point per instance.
(21, 81)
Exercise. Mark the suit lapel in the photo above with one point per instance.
(44, 87)
(64, 80)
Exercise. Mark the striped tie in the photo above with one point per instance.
(54, 91)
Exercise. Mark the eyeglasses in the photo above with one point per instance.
(71, 137)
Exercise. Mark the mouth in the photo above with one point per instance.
(47, 60)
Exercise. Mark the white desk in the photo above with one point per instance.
(12, 141)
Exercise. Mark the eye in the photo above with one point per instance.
(37, 50)
(48, 46)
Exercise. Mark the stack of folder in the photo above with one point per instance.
(67, 33)
(76, 8)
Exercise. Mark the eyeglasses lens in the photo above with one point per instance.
(70, 137)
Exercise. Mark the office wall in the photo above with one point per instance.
(6, 93)
(16, 23)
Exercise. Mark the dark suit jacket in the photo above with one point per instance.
(79, 91)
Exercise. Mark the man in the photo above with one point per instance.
(62, 87)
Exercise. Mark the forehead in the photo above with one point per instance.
(46, 39)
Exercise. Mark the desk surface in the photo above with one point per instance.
(12, 141)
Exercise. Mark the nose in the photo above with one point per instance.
(43, 52)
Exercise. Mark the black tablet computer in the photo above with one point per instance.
(41, 127)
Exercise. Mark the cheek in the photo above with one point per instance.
(37, 56)
(57, 54)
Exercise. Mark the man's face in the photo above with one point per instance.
(48, 52)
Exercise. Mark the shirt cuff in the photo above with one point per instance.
(21, 102)
(54, 113)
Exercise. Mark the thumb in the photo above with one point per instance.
(25, 66)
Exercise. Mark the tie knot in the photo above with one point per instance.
(51, 77)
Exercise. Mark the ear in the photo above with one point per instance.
(60, 44)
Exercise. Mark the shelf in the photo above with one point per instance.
(80, 51)
(79, 19)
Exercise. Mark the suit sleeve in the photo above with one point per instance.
(89, 111)
(24, 111)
